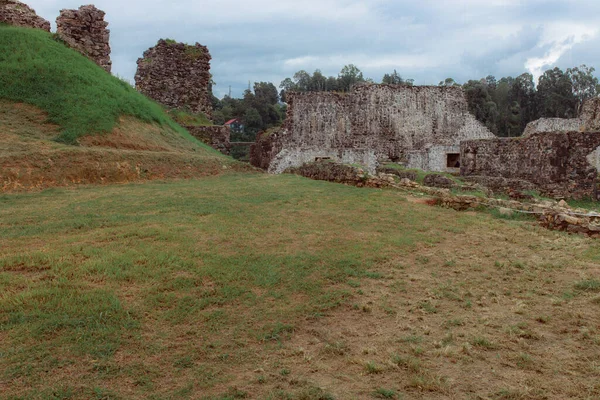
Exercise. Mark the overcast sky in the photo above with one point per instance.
(427, 40)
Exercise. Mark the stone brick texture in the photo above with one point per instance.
(177, 76)
(558, 164)
(371, 124)
(15, 13)
(439, 181)
(217, 137)
(267, 145)
(85, 31)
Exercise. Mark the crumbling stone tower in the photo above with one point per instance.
(85, 31)
(176, 75)
(15, 13)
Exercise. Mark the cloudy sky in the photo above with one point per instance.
(427, 40)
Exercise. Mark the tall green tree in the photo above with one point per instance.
(481, 103)
(448, 82)
(349, 75)
(523, 93)
(555, 97)
(395, 79)
(584, 83)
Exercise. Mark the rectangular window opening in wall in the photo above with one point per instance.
(453, 160)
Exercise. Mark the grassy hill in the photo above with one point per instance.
(52, 98)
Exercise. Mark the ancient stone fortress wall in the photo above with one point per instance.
(15, 13)
(176, 75)
(218, 137)
(417, 126)
(558, 164)
(85, 31)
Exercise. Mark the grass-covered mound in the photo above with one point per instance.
(76, 94)
(52, 96)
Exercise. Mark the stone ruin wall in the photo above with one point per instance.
(177, 76)
(557, 164)
(588, 121)
(217, 137)
(417, 126)
(85, 31)
(15, 13)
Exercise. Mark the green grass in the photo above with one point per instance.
(78, 95)
(420, 174)
(588, 285)
(187, 118)
(383, 393)
(186, 289)
(88, 274)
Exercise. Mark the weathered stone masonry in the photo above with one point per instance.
(218, 137)
(417, 126)
(588, 121)
(15, 13)
(176, 75)
(85, 31)
(558, 164)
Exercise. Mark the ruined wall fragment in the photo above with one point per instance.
(217, 137)
(417, 126)
(13, 12)
(176, 75)
(588, 121)
(85, 31)
(558, 164)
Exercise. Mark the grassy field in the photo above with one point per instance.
(261, 287)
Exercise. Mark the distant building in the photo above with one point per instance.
(235, 125)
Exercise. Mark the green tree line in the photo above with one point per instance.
(504, 105)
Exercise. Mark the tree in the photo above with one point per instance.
(265, 93)
(555, 96)
(500, 96)
(523, 93)
(392, 79)
(318, 82)
(584, 83)
(303, 80)
(481, 104)
(287, 85)
(349, 76)
(448, 82)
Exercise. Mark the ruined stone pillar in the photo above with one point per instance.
(85, 31)
(176, 75)
(13, 12)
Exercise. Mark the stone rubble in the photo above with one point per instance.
(552, 215)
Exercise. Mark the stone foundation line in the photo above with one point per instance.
(555, 218)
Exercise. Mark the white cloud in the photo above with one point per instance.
(560, 38)
(427, 40)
